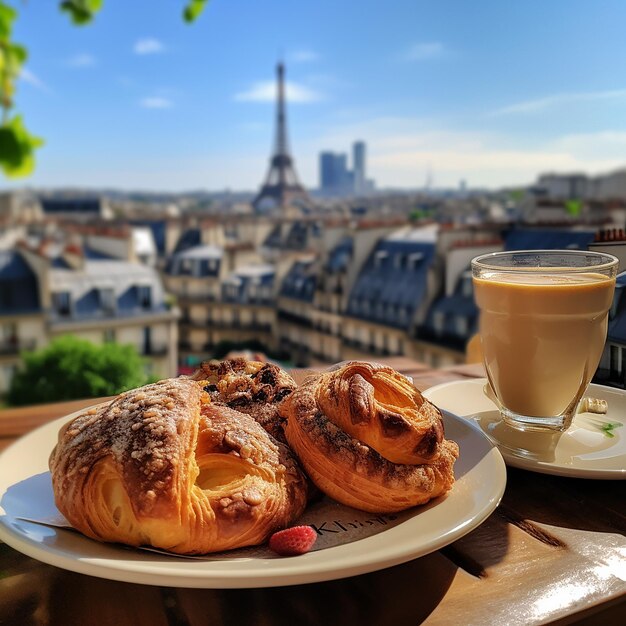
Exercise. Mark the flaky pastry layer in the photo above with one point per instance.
(162, 466)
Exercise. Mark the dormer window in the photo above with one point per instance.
(61, 302)
(439, 320)
(107, 300)
(461, 325)
(144, 295)
(380, 257)
(467, 287)
(414, 259)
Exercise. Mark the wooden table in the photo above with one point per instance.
(553, 552)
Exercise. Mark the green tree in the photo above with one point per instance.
(70, 369)
(17, 144)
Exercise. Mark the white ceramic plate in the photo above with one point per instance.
(583, 451)
(480, 480)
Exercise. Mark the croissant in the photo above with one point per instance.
(251, 387)
(163, 466)
(363, 434)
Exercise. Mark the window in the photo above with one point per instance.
(109, 335)
(439, 320)
(252, 291)
(467, 288)
(616, 360)
(107, 300)
(380, 257)
(414, 259)
(9, 372)
(144, 295)
(62, 303)
(461, 325)
(9, 332)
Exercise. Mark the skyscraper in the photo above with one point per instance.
(358, 164)
(337, 179)
(334, 174)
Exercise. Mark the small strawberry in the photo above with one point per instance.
(293, 541)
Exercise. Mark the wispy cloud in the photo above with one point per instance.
(265, 91)
(424, 51)
(156, 102)
(32, 79)
(148, 45)
(304, 55)
(82, 60)
(542, 104)
(403, 150)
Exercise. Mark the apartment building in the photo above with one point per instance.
(392, 293)
(22, 320)
(52, 287)
(225, 292)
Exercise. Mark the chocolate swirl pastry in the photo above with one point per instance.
(367, 438)
(163, 466)
(251, 387)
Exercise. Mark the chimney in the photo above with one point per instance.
(73, 255)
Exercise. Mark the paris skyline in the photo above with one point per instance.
(490, 94)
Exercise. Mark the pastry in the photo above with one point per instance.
(252, 387)
(163, 466)
(380, 407)
(367, 440)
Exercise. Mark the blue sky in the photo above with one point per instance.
(490, 92)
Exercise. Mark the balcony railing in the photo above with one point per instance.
(196, 298)
(239, 325)
(161, 349)
(295, 319)
(10, 347)
(104, 314)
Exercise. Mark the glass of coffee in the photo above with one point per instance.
(543, 325)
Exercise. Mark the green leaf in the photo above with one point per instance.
(81, 12)
(608, 427)
(7, 16)
(12, 57)
(573, 207)
(193, 10)
(17, 148)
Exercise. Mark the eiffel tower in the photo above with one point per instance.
(281, 183)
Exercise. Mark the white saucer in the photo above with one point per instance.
(583, 451)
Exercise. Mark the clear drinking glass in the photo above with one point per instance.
(543, 325)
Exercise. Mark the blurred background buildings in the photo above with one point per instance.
(348, 269)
